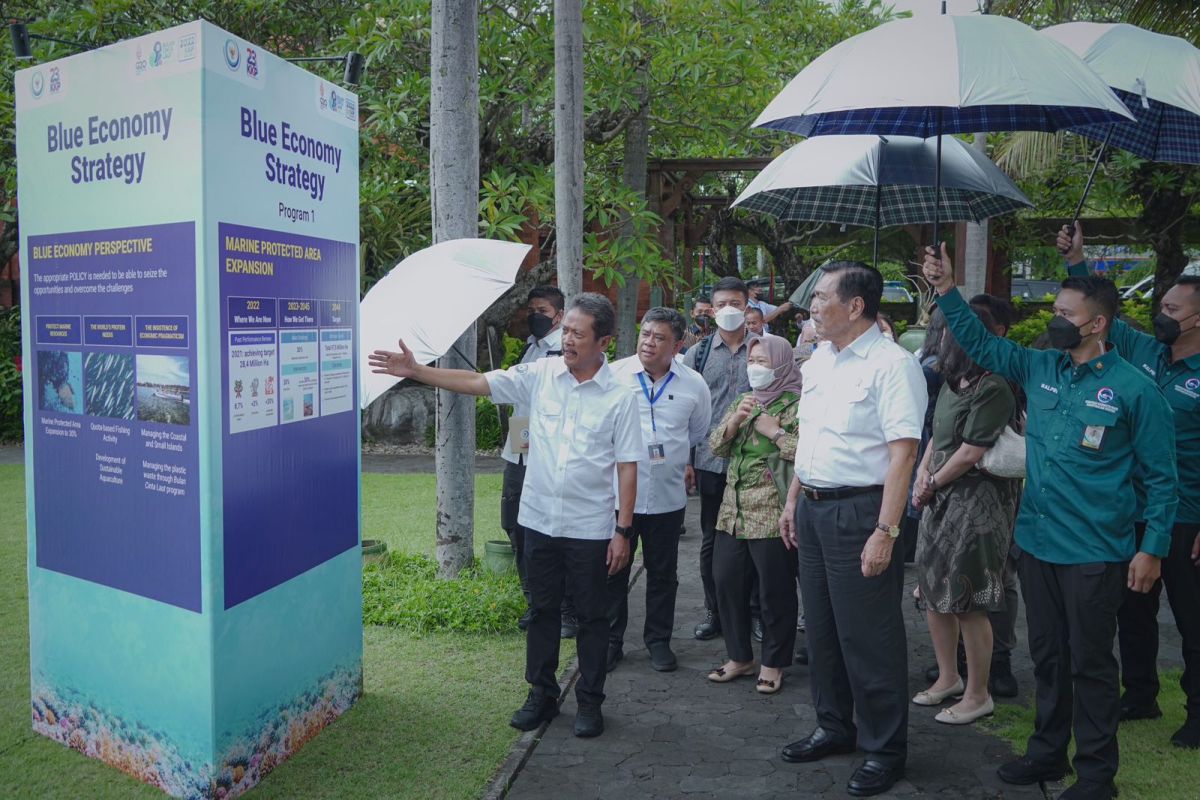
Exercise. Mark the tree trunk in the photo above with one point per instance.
(637, 146)
(568, 144)
(975, 247)
(1163, 212)
(454, 187)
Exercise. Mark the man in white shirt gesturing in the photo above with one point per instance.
(675, 411)
(583, 426)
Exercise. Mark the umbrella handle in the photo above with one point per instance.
(1091, 178)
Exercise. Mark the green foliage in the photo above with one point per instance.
(487, 425)
(403, 591)
(1138, 311)
(11, 405)
(1029, 329)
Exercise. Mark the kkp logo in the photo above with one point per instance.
(37, 84)
(1105, 395)
(233, 54)
(1193, 383)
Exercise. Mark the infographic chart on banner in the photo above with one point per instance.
(114, 428)
(290, 407)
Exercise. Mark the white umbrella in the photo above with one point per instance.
(430, 298)
(946, 74)
(880, 182)
(1158, 79)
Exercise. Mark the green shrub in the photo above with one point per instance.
(487, 425)
(1030, 328)
(11, 405)
(403, 591)
(1138, 311)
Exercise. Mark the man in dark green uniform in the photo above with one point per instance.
(1171, 358)
(1093, 420)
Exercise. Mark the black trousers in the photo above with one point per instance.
(858, 654)
(1137, 624)
(711, 486)
(556, 564)
(1072, 614)
(510, 507)
(735, 563)
(659, 536)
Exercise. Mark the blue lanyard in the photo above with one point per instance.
(652, 398)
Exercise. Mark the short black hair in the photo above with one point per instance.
(856, 279)
(703, 298)
(669, 316)
(548, 292)
(1101, 292)
(731, 284)
(1002, 310)
(1189, 280)
(756, 310)
(600, 308)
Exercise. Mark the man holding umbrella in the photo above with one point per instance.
(1094, 421)
(584, 425)
(1171, 357)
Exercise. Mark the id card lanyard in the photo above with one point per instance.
(657, 451)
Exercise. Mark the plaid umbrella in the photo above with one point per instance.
(1157, 77)
(880, 182)
(945, 74)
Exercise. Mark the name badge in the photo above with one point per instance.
(658, 455)
(518, 435)
(1093, 437)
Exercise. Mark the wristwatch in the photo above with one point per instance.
(891, 530)
(627, 532)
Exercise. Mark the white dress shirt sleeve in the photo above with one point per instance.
(628, 443)
(514, 385)
(701, 417)
(903, 397)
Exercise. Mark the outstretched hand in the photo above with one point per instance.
(939, 271)
(401, 364)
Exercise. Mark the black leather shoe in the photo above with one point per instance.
(1131, 712)
(873, 777)
(523, 622)
(1025, 771)
(1001, 681)
(570, 627)
(818, 745)
(537, 709)
(802, 655)
(710, 628)
(1189, 735)
(615, 653)
(1089, 790)
(661, 657)
(756, 628)
(589, 722)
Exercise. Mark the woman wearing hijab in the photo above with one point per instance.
(758, 435)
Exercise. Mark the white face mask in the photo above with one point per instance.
(730, 318)
(760, 376)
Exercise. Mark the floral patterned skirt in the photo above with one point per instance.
(963, 541)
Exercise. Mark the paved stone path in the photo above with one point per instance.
(678, 735)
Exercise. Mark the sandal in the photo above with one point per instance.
(765, 686)
(722, 675)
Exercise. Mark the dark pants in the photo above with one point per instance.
(858, 655)
(735, 562)
(711, 486)
(510, 507)
(555, 564)
(1072, 614)
(1138, 624)
(1004, 621)
(659, 535)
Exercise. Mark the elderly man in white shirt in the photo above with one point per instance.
(546, 306)
(860, 418)
(676, 409)
(583, 428)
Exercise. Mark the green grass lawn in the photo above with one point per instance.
(1151, 767)
(432, 722)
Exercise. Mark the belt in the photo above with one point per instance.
(836, 492)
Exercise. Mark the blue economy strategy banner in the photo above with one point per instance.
(111, 202)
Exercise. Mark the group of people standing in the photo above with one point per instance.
(807, 461)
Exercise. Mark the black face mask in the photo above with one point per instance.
(1167, 329)
(1063, 334)
(702, 321)
(540, 325)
